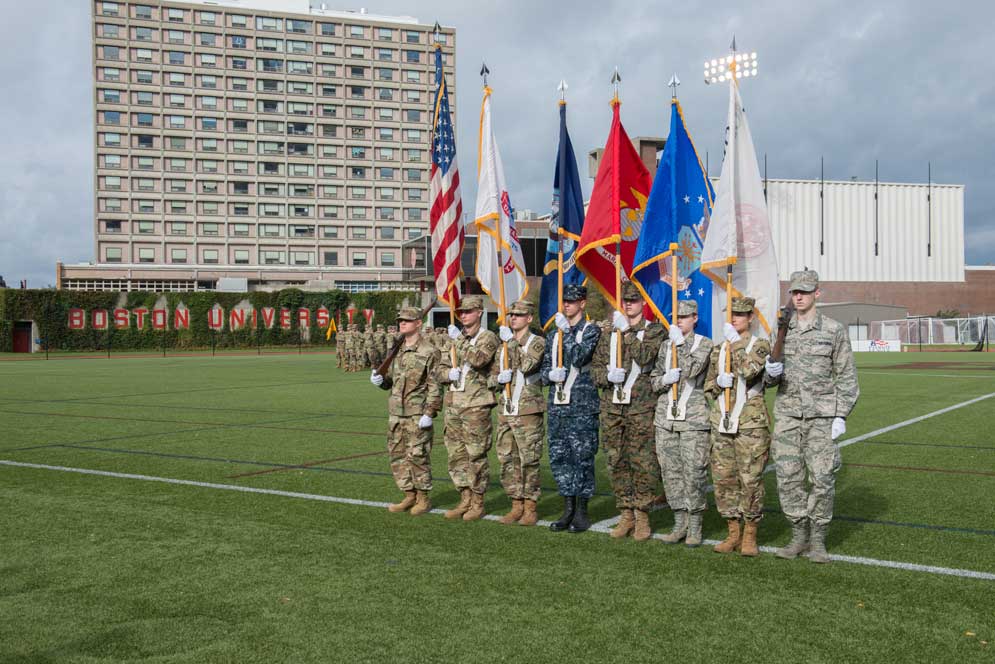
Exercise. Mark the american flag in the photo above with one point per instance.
(447, 208)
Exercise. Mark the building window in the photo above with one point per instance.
(359, 259)
(269, 23)
(327, 29)
(359, 233)
(387, 259)
(240, 230)
(330, 257)
(329, 231)
(298, 26)
(271, 257)
(210, 256)
(301, 258)
(210, 229)
(178, 256)
(112, 117)
(241, 257)
(387, 232)
(113, 254)
(146, 255)
(356, 31)
(178, 228)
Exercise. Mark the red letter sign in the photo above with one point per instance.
(159, 319)
(181, 319)
(122, 320)
(98, 318)
(285, 318)
(77, 319)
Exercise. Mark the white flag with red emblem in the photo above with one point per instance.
(500, 266)
(738, 231)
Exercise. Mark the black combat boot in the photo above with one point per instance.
(568, 514)
(580, 522)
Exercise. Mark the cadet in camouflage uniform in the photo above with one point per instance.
(347, 346)
(682, 445)
(520, 407)
(627, 434)
(816, 390)
(738, 458)
(370, 348)
(380, 346)
(573, 426)
(415, 398)
(354, 347)
(469, 400)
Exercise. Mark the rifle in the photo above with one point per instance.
(783, 318)
(396, 348)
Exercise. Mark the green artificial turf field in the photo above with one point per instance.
(101, 568)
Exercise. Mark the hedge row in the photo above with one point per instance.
(50, 311)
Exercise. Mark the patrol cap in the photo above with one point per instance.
(743, 305)
(687, 307)
(523, 307)
(409, 313)
(574, 292)
(805, 280)
(471, 302)
(630, 293)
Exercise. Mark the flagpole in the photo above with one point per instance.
(616, 226)
(559, 243)
(732, 259)
(673, 320)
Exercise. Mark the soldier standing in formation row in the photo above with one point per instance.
(627, 404)
(741, 434)
(816, 391)
(415, 399)
(682, 423)
(573, 408)
(520, 408)
(469, 400)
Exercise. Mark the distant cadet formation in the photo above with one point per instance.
(620, 385)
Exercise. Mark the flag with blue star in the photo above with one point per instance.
(677, 213)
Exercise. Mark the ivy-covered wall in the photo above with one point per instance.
(50, 311)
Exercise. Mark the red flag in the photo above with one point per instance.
(615, 213)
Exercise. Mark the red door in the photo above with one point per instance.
(22, 337)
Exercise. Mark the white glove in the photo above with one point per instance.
(424, 422)
(672, 375)
(453, 332)
(774, 369)
(724, 380)
(616, 375)
(619, 321)
(676, 336)
(839, 427)
(561, 321)
(376, 378)
(504, 376)
(505, 333)
(730, 333)
(557, 374)
(454, 374)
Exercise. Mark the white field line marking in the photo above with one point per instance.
(914, 420)
(857, 560)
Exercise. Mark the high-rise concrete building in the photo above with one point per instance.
(275, 142)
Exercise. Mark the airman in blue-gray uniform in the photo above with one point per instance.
(816, 391)
(573, 408)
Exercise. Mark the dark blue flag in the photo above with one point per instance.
(567, 221)
(676, 213)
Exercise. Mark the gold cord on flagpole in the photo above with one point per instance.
(728, 367)
(673, 321)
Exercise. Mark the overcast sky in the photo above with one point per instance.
(904, 83)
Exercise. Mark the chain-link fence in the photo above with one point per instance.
(931, 331)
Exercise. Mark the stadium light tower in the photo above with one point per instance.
(735, 65)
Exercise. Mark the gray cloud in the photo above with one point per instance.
(904, 83)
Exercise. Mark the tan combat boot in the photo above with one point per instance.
(517, 509)
(529, 516)
(461, 509)
(680, 530)
(422, 504)
(642, 531)
(729, 544)
(624, 526)
(404, 505)
(476, 510)
(693, 539)
(748, 547)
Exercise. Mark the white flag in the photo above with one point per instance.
(739, 229)
(500, 266)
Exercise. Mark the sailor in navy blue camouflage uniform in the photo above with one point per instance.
(572, 414)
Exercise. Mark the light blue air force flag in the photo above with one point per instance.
(677, 212)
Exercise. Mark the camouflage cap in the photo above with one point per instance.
(574, 292)
(805, 280)
(409, 313)
(630, 293)
(743, 305)
(687, 307)
(471, 302)
(523, 307)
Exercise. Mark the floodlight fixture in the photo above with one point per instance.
(735, 65)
